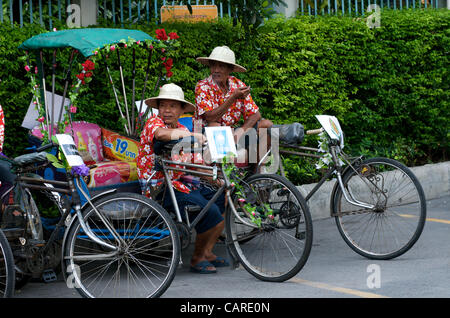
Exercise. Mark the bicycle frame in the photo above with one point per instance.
(335, 168)
(165, 164)
(68, 187)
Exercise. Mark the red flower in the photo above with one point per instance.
(88, 65)
(169, 74)
(173, 35)
(161, 35)
(168, 63)
(88, 74)
(81, 78)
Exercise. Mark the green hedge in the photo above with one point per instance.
(388, 86)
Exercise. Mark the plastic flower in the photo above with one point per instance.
(82, 170)
(88, 65)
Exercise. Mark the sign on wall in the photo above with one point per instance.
(181, 13)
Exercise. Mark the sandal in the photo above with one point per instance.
(220, 262)
(202, 268)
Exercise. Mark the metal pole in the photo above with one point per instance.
(123, 89)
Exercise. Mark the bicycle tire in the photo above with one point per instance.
(7, 271)
(145, 266)
(274, 252)
(397, 221)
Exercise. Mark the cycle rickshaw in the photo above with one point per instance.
(111, 242)
(122, 244)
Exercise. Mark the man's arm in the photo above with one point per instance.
(248, 123)
(215, 114)
(168, 134)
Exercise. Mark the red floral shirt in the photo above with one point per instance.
(146, 157)
(209, 96)
(2, 128)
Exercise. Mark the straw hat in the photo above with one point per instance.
(172, 92)
(222, 54)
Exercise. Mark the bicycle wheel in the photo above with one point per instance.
(146, 261)
(7, 272)
(395, 223)
(279, 248)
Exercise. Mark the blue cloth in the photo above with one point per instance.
(199, 196)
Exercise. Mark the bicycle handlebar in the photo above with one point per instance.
(46, 146)
(314, 131)
(159, 146)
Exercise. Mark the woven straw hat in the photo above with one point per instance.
(222, 54)
(172, 92)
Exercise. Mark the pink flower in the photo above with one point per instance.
(41, 119)
(163, 50)
(35, 70)
(253, 213)
(125, 45)
(151, 47)
(73, 109)
(138, 42)
(27, 68)
(241, 200)
(96, 52)
(112, 47)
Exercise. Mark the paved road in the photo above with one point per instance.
(333, 270)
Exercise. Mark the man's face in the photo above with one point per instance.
(219, 71)
(170, 111)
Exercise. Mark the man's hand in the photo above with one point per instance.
(200, 137)
(241, 92)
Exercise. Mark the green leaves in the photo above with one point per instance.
(55, 161)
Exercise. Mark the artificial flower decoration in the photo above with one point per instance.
(82, 170)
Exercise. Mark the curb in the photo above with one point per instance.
(434, 178)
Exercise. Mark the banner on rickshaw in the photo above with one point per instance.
(181, 13)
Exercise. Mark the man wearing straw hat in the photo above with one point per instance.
(222, 99)
(165, 127)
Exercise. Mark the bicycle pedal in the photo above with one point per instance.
(49, 276)
(38, 243)
(300, 235)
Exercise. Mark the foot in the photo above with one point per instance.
(219, 262)
(203, 267)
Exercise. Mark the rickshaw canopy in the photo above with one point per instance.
(86, 41)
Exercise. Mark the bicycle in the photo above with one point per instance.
(378, 203)
(114, 244)
(273, 240)
(7, 273)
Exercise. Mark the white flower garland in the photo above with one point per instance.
(326, 159)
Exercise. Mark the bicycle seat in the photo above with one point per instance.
(30, 158)
(290, 134)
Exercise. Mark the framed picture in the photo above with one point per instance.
(69, 149)
(221, 142)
